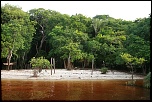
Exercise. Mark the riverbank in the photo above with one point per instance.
(63, 74)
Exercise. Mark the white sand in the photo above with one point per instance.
(66, 74)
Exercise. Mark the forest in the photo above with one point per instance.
(74, 41)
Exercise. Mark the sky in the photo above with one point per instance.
(126, 10)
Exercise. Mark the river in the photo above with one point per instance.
(72, 90)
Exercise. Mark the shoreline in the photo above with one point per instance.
(63, 74)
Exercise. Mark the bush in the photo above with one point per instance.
(39, 63)
(147, 80)
(104, 70)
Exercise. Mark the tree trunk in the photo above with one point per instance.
(8, 61)
(54, 64)
(40, 47)
(72, 65)
(51, 65)
(42, 41)
(92, 66)
(65, 64)
(37, 51)
(84, 64)
(24, 59)
(9, 58)
(43, 38)
(144, 70)
(95, 30)
(40, 69)
(35, 72)
(69, 63)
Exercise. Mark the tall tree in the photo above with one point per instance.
(97, 25)
(17, 31)
(130, 61)
(41, 16)
(67, 43)
(138, 42)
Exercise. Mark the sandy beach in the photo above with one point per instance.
(63, 74)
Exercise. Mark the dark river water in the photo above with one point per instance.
(72, 90)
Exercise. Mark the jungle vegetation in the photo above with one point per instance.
(74, 41)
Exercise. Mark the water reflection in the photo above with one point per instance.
(73, 90)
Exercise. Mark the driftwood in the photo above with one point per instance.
(10, 64)
(6, 64)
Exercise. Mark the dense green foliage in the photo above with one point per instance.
(74, 41)
(39, 62)
(17, 33)
(104, 70)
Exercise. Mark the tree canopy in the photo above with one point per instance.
(73, 40)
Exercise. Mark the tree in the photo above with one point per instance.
(138, 42)
(67, 44)
(71, 53)
(78, 22)
(42, 17)
(131, 61)
(111, 44)
(17, 31)
(57, 39)
(97, 25)
(111, 37)
(140, 27)
(39, 63)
